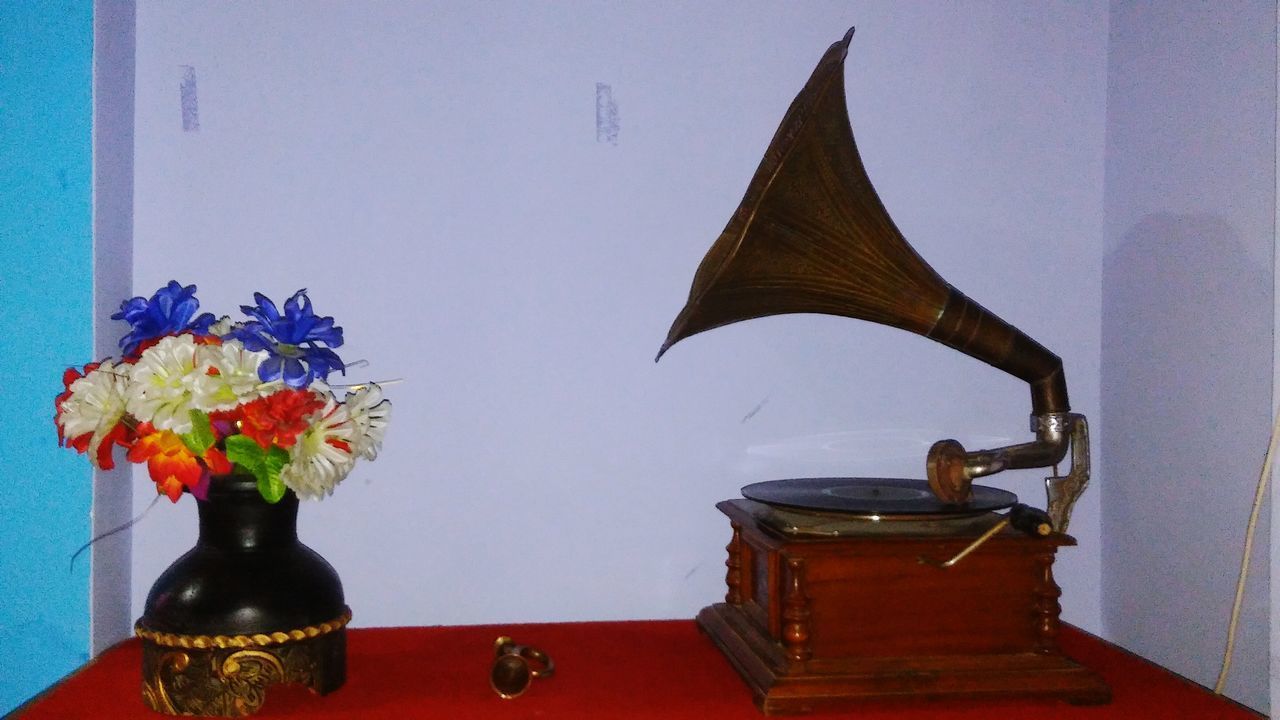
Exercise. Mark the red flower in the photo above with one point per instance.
(133, 357)
(278, 418)
(120, 435)
(224, 422)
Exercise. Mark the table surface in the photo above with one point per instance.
(640, 669)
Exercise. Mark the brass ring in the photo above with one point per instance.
(514, 667)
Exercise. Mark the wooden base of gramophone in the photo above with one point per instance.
(228, 676)
(828, 622)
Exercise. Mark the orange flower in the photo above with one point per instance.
(279, 418)
(171, 463)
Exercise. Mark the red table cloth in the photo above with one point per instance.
(604, 670)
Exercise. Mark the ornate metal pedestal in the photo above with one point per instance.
(821, 622)
(228, 676)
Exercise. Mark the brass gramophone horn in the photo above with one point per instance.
(811, 236)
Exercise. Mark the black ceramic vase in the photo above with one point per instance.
(248, 607)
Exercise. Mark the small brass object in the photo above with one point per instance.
(515, 667)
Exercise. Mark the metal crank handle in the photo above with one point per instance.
(1032, 521)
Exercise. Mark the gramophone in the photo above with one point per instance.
(842, 590)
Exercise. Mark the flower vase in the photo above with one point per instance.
(248, 607)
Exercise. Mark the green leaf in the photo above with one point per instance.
(277, 458)
(201, 437)
(238, 469)
(269, 483)
(271, 488)
(265, 465)
(243, 451)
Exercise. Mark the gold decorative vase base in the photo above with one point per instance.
(228, 675)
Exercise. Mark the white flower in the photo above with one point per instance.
(321, 457)
(222, 326)
(96, 405)
(369, 414)
(234, 377)
(160, 384)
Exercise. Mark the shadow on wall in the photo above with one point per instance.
(1186, 402)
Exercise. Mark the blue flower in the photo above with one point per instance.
(168, 312)
(291, 340)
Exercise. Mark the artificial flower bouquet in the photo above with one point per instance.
(194, 397)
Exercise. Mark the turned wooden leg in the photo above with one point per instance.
(733, 578)
(1048, 608)
(795, 612)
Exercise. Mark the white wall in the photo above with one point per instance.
(433, 174)
(1187, 330)
(113, 72)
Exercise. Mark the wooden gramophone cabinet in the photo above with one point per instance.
(815, 623)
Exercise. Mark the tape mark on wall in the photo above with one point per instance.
(607, 123)
(190, 102)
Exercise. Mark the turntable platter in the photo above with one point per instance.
(873, 497)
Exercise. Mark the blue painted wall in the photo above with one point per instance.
(46, 295)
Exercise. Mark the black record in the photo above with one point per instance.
(872, 496)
